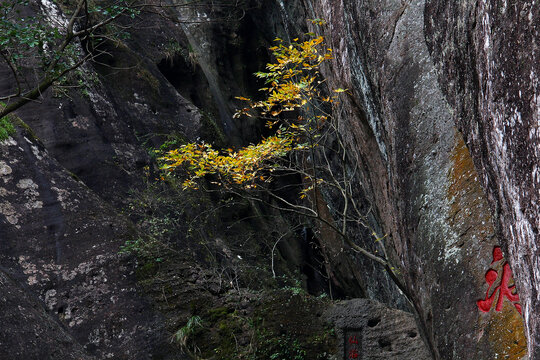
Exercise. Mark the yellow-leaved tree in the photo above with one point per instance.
(298, 107)
(292, 83)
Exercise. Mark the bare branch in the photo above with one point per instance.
(40, 88)
(15, 74)
(69, 28)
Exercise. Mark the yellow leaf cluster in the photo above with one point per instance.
(292, 82)
(240, 167)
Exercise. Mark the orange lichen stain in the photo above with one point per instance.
(470, 217)
(506, 333)
(469, 212)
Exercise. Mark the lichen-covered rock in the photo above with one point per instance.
(29, 330)
(418, 173)
(59, 249)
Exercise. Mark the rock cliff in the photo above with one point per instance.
(441, 114)
(487, 53)
(431, 200)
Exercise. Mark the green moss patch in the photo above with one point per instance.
(211, 132)
(6, 128)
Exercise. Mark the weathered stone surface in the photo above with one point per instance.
(418, 172)
(29, 331)
(488, 58)
(59, 246)
(373, 331)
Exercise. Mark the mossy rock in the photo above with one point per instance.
(292, 326)
(211, 132)
(8, 126)
(147, 270)
(218, 313)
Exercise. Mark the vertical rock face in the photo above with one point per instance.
(400, 125)
(488, 57)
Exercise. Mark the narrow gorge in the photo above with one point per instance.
(404, 226)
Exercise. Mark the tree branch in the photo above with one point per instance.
(15, 74)
(39, 89)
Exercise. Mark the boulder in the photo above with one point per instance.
(367, 329)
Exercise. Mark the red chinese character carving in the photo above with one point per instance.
(353, 339)
(353, 354)
(503, 289)
(497, 254)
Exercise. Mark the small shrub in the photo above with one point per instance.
(6, 128)
(279, 348)
(186, 334)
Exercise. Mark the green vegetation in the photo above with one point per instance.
(281, 327)
(6, 128)
(185, 336)
(279, 347)
(6, 125)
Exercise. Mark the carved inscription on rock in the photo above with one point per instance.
(353, 344)
(498, 278)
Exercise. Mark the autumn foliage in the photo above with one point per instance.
(292, 87)
(306, 143)
(241, 167)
